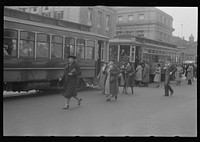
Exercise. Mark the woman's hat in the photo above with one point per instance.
(73, 57)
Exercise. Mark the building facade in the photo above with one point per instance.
(148, 22)
(101, 19)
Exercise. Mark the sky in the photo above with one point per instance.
(185, 20)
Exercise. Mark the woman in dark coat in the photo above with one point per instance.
(70, 78)
(128, 73)
(111, 80)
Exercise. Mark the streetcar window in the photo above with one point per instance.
(27, 44)
(42, 50)
(80, 48)
(90, 49)
(124, 52)
(113, 51)
(10, 42)
(56, 46)
(69, 47)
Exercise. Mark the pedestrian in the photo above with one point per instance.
(145, 74)
(128, 72)
(101, 77)
(186, 67)
(169, 69)
(157, 77)
(178, 74)
(190, 74)
(138, 74)
(70, 79)
(111, 81)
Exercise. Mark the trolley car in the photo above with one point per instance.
(138, 49)
(36, 50)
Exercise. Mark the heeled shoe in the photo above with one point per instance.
(66, 107)
(79, 102)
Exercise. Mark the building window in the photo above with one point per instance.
(89, 20)
(141, 16)
(90, 50)
(99, 19)
(168, 22)
(22, 9)
(58, 14)
(56, 46)
(130, 18)
(46, 8)
(160, 18)
(47, 14)
(10, 42)
(43, 42)
(140, 33)
(27, 44)
(164, 20)
(34, 9)
(107, 22)
(120, 18)
(69, 47)
(80, 45)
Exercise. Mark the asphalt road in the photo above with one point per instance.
(146, 113)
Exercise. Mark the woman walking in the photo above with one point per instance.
(128, 72)
(70, 78)
(190, 74)
(111, 81)
(101, 77)
(138, 74)
(157, 76)
(178, 73)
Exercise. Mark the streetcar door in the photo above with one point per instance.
(98, 64)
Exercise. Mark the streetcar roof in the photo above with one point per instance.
(123, 41)
(32, 21)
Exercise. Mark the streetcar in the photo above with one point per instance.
(36, 48)
(139, 49)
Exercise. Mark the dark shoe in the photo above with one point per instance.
(79, 102)
(116, 97)
(172, 93)
(66, 107)
(108, 99)
(165, 95)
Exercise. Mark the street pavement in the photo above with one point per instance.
(145, 113)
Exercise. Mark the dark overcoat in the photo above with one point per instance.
(129, 73)
(170, 68)
(71, 81)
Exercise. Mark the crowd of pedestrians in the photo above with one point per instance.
(129, 77)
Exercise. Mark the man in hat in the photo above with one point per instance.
(169, 70)
(70, 78)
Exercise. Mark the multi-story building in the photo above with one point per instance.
(101, 19)
(147, 22)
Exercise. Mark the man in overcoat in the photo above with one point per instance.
(169, 69)
(70, 79)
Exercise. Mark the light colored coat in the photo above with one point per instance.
(145, 74)
(190, 72)
(138, 74)
(178, 73)
(157, 76)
